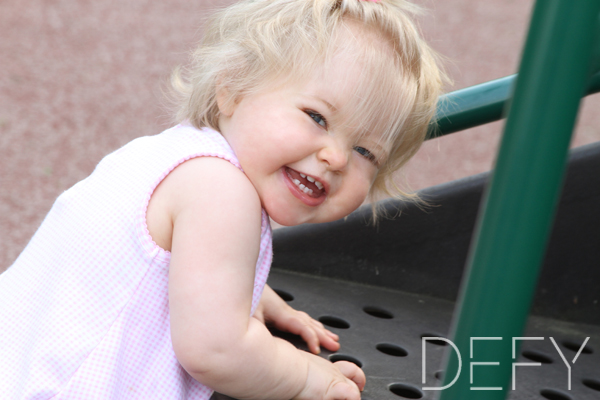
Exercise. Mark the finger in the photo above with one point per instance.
(316, 322)
(323, 336)
(323, 333)
(332, 335)
(308, 334)
(327, 341)
(344, 391)
(312, 339)
(318, 325)
(352, 372)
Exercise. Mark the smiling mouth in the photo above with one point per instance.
(306, 184)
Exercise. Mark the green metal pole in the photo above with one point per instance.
(481, 104)
(472, 106)
(519, 204)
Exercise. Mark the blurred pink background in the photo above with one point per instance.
(80, 78)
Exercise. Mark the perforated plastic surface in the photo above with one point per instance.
(380, 329)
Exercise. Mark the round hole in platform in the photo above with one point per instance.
(592, 384)
(574, 346)
(406, 391)
(334, 322)
(345, 357)
(391, 349)
(552, 394)
(537, 356)
(286, 296)
(378, 312)
(436, 342)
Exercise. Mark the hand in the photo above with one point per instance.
(276, 312)
(341, 380)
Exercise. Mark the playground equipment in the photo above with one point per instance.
(383, 288)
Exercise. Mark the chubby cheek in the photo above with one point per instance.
(358, 200)
(352, 198)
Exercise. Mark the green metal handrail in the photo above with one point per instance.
(519, 204)
(481, 104)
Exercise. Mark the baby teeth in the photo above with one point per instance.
(304, 188)
(310, 179)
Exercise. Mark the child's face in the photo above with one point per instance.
(288, 136)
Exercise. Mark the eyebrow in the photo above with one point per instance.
(328, 104)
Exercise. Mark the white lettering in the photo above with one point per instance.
(491, 363)
(423, 341)
(473, 363)
(564, 358)
(514, 365)
(514, 355)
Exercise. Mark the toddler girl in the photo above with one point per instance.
(147, 279)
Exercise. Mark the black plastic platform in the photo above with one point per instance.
(380, 330)
(381, 288)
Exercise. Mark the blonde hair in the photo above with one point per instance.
(253, 43)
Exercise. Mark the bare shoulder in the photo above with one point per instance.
(201, 188)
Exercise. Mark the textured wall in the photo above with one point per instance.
(80, 78)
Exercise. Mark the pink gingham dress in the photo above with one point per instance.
(84, 309)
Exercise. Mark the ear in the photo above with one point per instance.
(225, 103)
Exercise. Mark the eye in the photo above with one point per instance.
(318, 118)
(366, 154)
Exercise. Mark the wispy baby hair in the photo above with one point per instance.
(254, 43)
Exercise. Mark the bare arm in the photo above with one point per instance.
(216, 216)
(272, 310)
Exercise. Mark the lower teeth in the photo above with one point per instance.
(303, 187)
(300, 185)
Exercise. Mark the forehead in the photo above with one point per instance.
(338, 79)
(363, 80)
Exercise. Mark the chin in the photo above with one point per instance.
(287, 221)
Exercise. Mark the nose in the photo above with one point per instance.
(334, 155)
